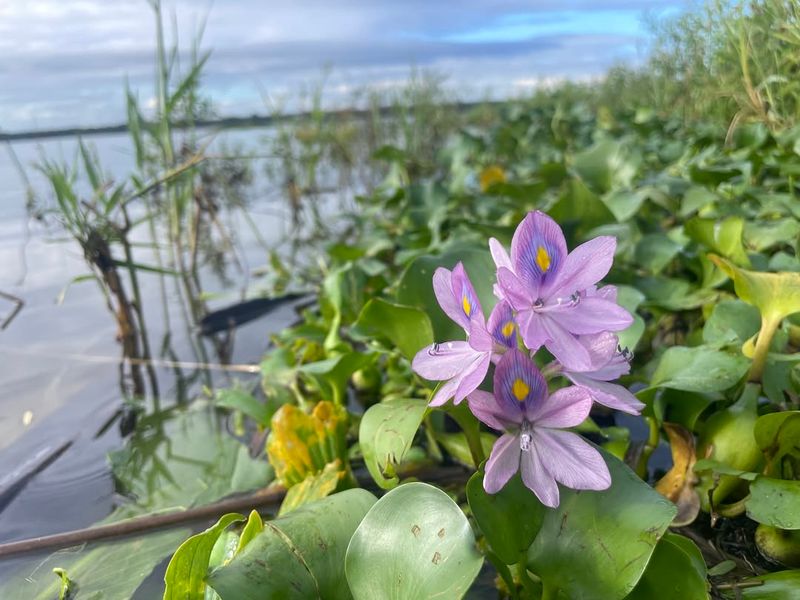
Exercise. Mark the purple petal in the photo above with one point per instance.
(479, 337)
(472, 377)
(538, 479)
(518, 384)
(564, 346)
(502, 464)
(583, 267)
(532, 329)
(592, 315)
(571, 460)
(450, 303)
(501, 325)
(484, 407)
(611, 395)
(438, 362)
(566, 407)
(602, 347)
(499, 254)
(465, 293)
(444, 393)
(512, 289)
(538, 250)
(607, 292)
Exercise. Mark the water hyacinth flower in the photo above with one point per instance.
(534, 443)
(609, 362)
(463, 364)
(553, 290)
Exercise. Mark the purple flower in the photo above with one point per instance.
(609, 363)
(463, 365)
(552, 291)
(533, 442)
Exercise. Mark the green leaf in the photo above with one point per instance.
(414, 544)
(66, 584)
(723, 237)
(606, 165)
(698, 369)
(332, 374)
(777, 436)
(385, 435)
(498, 516)
(630, 298)
(655, 251)
(731, 322)
(238, 399)
(597, 544)
(406, 327)
(775, 502)
(254, 526)
(185, 578)
(782, 585)
(776, 295)
(676, 570)
(416, 285)
(581, 208)
(300, 555)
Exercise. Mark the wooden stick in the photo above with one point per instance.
(141, 524)
(265, 497)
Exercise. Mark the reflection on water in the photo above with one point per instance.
(60, 379)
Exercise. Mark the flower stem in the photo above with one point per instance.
(769, 324)
(549, 592)
(472, 433)
(649, 447)
(524, 577)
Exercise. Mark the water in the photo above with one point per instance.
(59, 362)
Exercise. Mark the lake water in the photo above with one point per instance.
(59, 362)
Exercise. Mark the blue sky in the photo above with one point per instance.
(64, 62)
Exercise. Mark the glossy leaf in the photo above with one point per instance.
(676, 570)
(415, 544)
(405, 327)
(385, 435)
(774, 502)
(699, 369)
(300, 555)
(597, 544)
(499, 516)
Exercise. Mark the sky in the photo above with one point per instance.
(64, 63)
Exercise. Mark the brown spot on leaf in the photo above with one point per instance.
(415, 530)
(436, 558)
(441, 532)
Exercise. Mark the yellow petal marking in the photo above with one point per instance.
(520, 389)
(508, 329)
(543, 259)
(466, 305)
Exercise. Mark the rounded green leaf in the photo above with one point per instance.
(597, 544)
(414, 544)
(777, 434)
(385, 435)
(775, 502)
(699, 369)
(676, 570)
(406, 327)
(498, 516)
(300, 555)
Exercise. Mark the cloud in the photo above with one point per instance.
(64, 62)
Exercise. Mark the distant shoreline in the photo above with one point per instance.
(222, 123)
